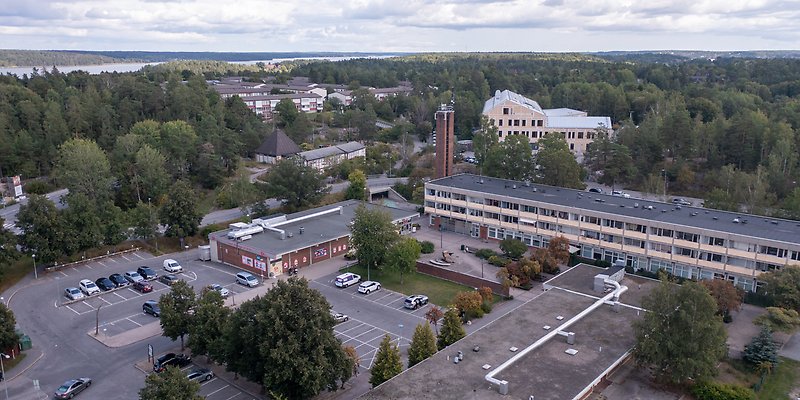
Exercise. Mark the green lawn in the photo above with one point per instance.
(439, 291)
(781, 381)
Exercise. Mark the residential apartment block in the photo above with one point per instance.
(259, 98)
(689, 242)
(514, 114)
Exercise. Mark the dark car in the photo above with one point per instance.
(105, 284)
(596, 190)
(168, 279)
(119, 280)
(147, 273)
(72, 387)
(151, 307)
(171, 359)
(143, 287)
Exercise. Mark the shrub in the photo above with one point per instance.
(426, 247)
(499, 261)
(486, 293)
(485, 253)
(513, 248)
(721, 391)
(204, 231)
(486, 307)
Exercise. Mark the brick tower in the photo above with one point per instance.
(445, 140)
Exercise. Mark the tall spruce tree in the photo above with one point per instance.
(452, 330)
(423, 345)
(387, 362)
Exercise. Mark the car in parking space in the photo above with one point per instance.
(143, 286)
(368, 287)
(247, 279)
(133, 277)
(88, 287)
(172, 266)
(72, 387)
(147, 273)
(681, 202)
(339, 317)
(347, 279)
(151, 307)
(119, 280)
(415, 301)
(177, 360)
(595, 190)
(224, 292)
(200, 375)
(105, 284)
(168, 279)
(73, 293)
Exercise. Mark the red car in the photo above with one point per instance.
(143, 287)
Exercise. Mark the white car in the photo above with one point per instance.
(415, 301)
(73, 293)
(172, 266)
(620, 194)
(368, 287)
(220, 289)
(339, 317)
(88, 287)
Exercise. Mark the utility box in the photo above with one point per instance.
(204, 252)
(25, 343)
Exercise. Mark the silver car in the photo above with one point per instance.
(200, 375)
(224, 292)
(73, 293)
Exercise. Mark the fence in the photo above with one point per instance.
(57, 266)
(462, 278)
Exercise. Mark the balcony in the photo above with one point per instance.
(661, 239)
(771, 259)
(740, 270)
(684, 259)
(636, 235)
(747, 255)
(686, 244)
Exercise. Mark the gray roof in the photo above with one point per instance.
(278, 144)
(344, 148)
(316, 230)
(564, 112)
(500, 97)
(350, 147)
(776, 229)
(578, 122)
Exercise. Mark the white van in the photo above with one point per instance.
(347, 279)
(172, 266)
(247, 279)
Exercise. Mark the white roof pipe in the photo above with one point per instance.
(613, 295)
(309, 216)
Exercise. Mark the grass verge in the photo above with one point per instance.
(14, 272)
(781, 381)
(13, 362)
(439, 291)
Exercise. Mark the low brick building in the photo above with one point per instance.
(275, 244)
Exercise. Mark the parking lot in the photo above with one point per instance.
(366, 339)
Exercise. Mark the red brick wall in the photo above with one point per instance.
(464, 279)
(233, 256)
(305, 257)
(484, 232)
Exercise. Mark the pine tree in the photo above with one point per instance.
(761, 349)
(423, 345)
(387, 362)
(452, 331)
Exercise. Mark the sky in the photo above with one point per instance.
(400, 25)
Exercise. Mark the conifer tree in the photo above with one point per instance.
(423, 345)
(451, 331)
(761, 349)
(387, 362)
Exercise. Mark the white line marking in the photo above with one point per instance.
(70, 308)
(74, 269)
(236, 395)
(62, 273)
(137, 255)
(88, 266)
(112, 259)
(107, 302)
(121, 297)
(123, 256)
(137, 324)
(224, 387)
(90, 306)
(102, 263)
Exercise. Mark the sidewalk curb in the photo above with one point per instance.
(24, 370)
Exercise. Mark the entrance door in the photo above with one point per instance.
(475, 231)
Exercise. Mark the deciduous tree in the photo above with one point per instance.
(468, 303)
(8, 333)
(82, 167)
(558, 248)
(452, 330)
(357, 189)
(296, 186)
(171, 384)
(8, 246)
(680, 334)
(206, 327)
(177, 308)
(433, 315)
(783, 286)
(42, 229)
(285, 341)
(387, 362)
(513, 248)
(423, 345)
(403, 255)
(372, 235)
(179, 213)
(728, 297)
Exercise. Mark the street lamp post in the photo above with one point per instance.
(481, 268)
(664, 172)
(35, 273)
(3, 371)
(155, 231)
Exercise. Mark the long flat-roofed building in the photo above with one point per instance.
(275, 244)
(514, 114)
(689, 242)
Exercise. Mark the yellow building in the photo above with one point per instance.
(514, 114)
(689, 242)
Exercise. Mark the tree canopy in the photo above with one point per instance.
(680, 334)
(177, 308)
(296, 186)
(8, 333)
(372, 235)
(179, 212)
(402, 256)
(783, 286)
(423, 345)
(387, 362)
(171, 384)
(452, 330)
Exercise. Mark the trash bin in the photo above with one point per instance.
(462, 247)
(25, 343)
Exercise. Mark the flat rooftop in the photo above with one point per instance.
(316, 230)
(715, 220)
(601, 338)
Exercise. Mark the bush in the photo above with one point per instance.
(721, 391)
(485, 253)
(499, 261)
(426, 247)
(486, 307)
(204, 231)
(39, 187)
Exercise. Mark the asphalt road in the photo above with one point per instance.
(9, 213)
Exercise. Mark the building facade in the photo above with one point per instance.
(689, 242)
(445, 140)
(326, 157)
(514, 114)
(272, 245)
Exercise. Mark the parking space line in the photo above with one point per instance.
(123, 256)
(62, 273)
(89, 266)
(137, 324)
(353, 295)
(112, 259)
(208, 381)
(90, 306)
(107, 302)
(137, 255)
(234, 396)
(71, 309)
(360, 324)
(381, 298)
(224, 387)
(133, 291)
(121, 297)
(102, 263)
(74, 269)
